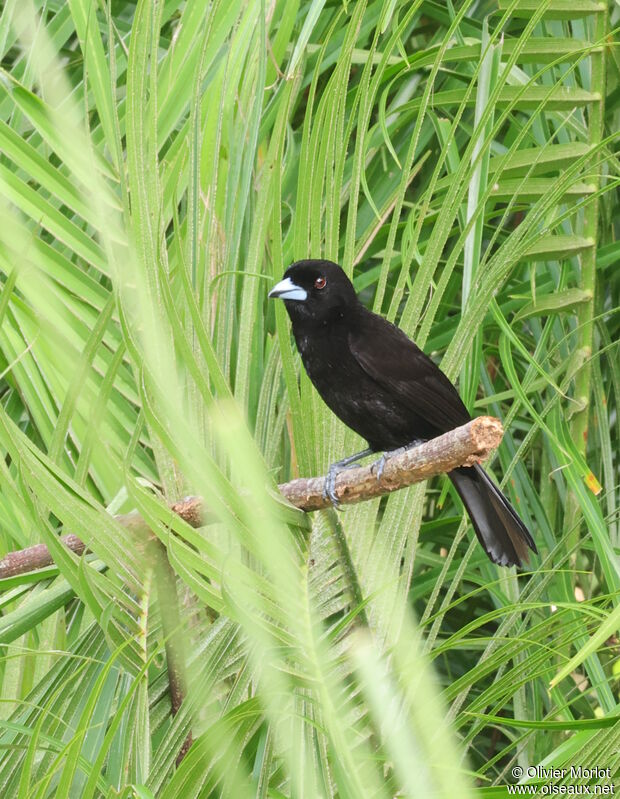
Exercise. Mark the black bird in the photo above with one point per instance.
(381, 384)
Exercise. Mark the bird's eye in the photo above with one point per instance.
(320, 283)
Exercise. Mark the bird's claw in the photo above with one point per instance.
(329, 488)
(380, 463)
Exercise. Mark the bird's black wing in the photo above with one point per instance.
(397, 364)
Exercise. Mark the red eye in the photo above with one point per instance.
(320, 283)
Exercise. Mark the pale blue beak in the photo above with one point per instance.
(287, 290)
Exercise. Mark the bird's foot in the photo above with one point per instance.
(329, 488)
(380, 463)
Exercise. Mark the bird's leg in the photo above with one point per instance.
(335, 469)
(380, 464)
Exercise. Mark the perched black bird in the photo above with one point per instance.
(381, 384)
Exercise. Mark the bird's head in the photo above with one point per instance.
(315, 290)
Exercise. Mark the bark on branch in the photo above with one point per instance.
(463, 446)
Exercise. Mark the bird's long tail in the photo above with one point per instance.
(499, 529)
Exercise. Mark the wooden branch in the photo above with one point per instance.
(463, 446)
(35, 557)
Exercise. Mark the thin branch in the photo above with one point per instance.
(463, 446)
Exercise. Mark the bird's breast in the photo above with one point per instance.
(323, 356)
